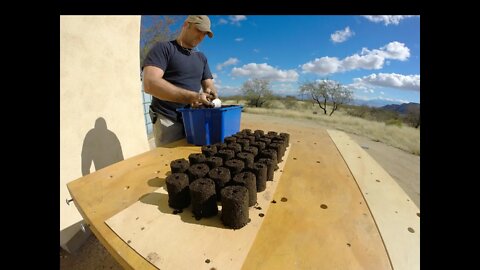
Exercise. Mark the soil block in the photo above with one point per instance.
(234, 206)
(179, 165)
(244, 142)
(221, 176)
(239, 135)
(196, 158)
(234, 165)
(286, 137)
(251, 138)
(265, 140)
(258, 144)
(248, 180)
(270, 167)
(214, 162)
(259, 132)
(225, 154)
(204, 200)
(279, 148)
(247, 158)
(209, 150)
(276, 137)
(178, 191)
(220, 146)
(230, 139)
(247, 131)
(252, 150)
(280, 141)
(197, 171)
(235, 147)
(260, 171)
(269, 153)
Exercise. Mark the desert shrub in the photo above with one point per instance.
(291, 103)
(394, 122)
(274, 104)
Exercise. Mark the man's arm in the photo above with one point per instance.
(209, 88)
(155, 85)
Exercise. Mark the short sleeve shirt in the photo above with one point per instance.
(182, 68)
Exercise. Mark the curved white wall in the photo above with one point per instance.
(100, 95)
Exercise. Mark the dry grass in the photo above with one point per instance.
(404, 137)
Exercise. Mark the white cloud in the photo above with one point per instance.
(284, 89)
(324, 65)
(394, 50)
(216, 80)
(236, 19)
(367, 59)
(228, 90)
(341, 35)
(239, 39)
(382, 93)
(230, 61)
(360, 86)
(265, 58)
(392, 99)
(264, 71)
(407, 82)
(387, 19)
(222, 21)
(366, 98)
(256, 50)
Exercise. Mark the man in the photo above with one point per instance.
(176, 75)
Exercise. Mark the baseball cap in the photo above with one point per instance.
(202, 22)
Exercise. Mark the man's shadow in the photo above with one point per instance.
(100, 146)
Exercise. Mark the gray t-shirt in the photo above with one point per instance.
(182, 67)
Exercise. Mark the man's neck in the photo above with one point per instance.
(180, 42)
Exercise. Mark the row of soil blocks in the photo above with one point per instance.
(230, 172)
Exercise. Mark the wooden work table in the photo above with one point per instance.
(326, 223)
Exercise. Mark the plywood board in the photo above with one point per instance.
(325, 223)
(295, 234)
(179, 241)
(397, 217)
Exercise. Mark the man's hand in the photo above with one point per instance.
(201, 99)
(211, 93)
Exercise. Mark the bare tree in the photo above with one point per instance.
(156, 30)
(257, 91)
(339, 95)
(318, 92)
(327, 91)
(413, 116)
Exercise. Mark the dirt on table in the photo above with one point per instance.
(402, 166)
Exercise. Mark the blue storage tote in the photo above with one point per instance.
(212, 125)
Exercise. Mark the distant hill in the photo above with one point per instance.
(373, 102)
(403, 108)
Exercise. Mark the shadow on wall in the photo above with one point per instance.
(100, 146)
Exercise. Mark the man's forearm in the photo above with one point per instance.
(209, 87)
(162, 89)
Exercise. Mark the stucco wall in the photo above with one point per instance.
(101, 111)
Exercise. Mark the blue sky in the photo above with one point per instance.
(378, 57)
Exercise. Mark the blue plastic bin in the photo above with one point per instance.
(209, 126)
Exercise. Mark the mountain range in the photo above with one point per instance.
(374, 102)
(404, 108)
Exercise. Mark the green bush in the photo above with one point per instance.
(274, 104)
(396, 122)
